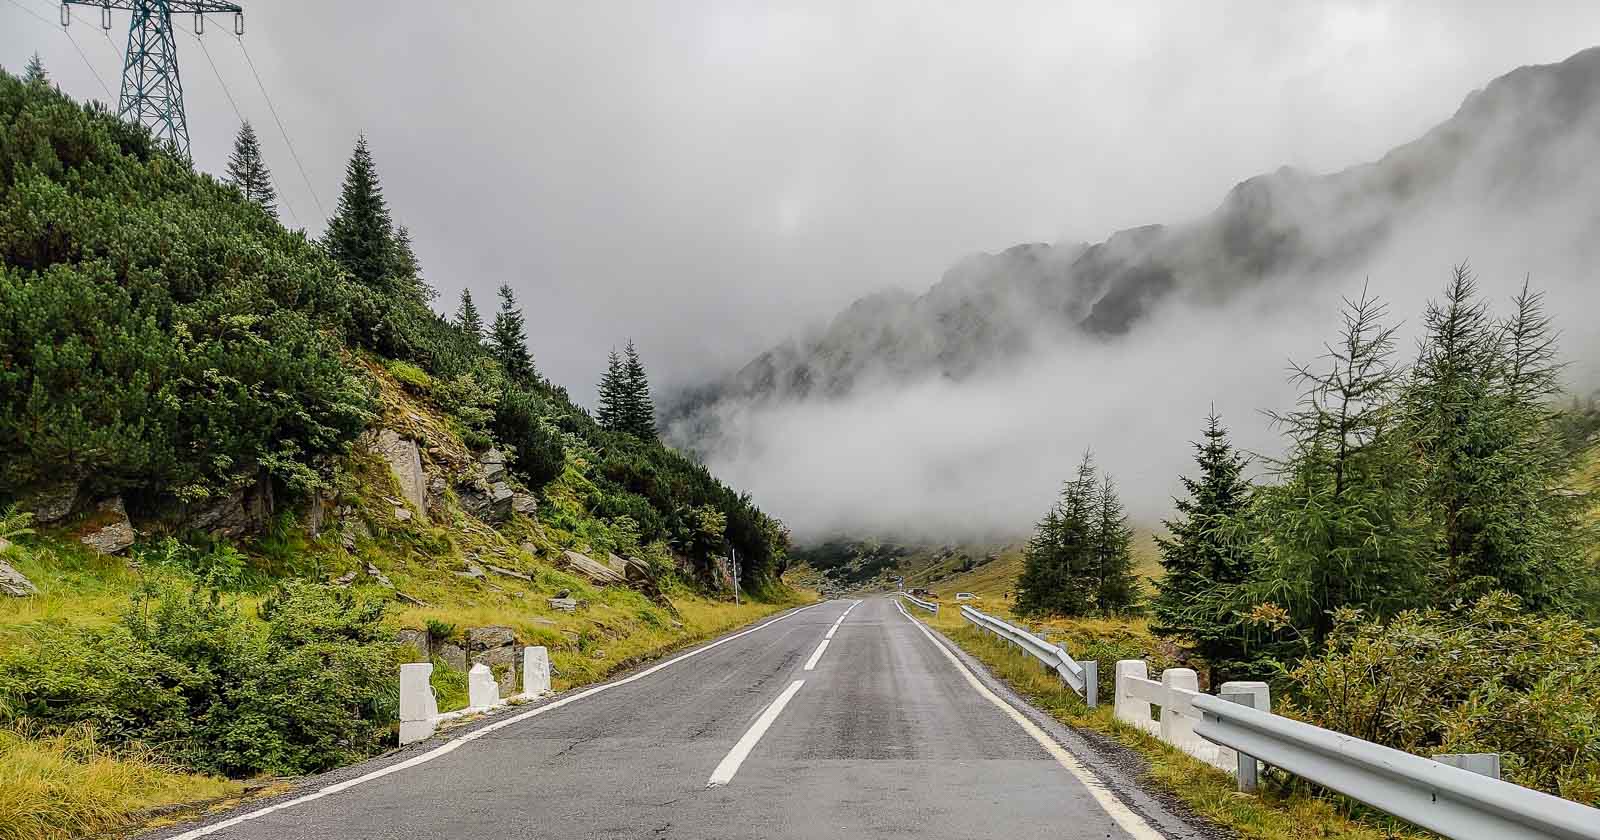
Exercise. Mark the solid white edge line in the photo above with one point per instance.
(450, 746)
(1130, 822)
(816, 655)
(741, 750)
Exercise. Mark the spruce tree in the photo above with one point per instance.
(406, 272)
(361, 234)
(508, 340)
(1117, 588)
(612, 397)
(1341, 527)
(1060, 573)
(1205, 559)
(34, 73)
(638, 410)
(468, 320)
(247, 171)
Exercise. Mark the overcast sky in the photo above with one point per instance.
(707, 176)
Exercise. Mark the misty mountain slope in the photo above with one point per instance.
(1508, 146)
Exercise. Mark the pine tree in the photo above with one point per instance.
(467, 318)
(1204, 558)
(248, 173)
(406, 271)
(1060, 571)
(361, 234)
(1341, 528)
(612, 399)
(34, 73)
(1117, 588)
(638, 411)
(508, 340)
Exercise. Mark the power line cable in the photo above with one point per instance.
(295, 217)
(284, 131)
(36, 15)
(86, 63)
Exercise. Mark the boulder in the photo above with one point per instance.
(345, 579)
(493, 636)
(591, 569)
(402, 514)
(416, 641)
(452, 655)
(524, 503)
(617, 564)
(377, 574)
(53, 503)
(564, 604)
(244, 510)
(405, 462)
(473, 571)
(13, 582)
(490, 502)
(111, 532)
(494, 464)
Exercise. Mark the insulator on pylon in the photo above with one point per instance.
(199, 24)
(238, 23)
(105, 16)
(66, 15)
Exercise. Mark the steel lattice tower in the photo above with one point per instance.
(152, 91)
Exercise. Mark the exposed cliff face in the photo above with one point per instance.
(1510, 147)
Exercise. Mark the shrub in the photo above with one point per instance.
(519, 421)
(1488, 677)
(415, 379)
(313, 687)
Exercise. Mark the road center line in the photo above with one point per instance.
(736, 756)
(450, 746)
(817, 654)
(1132, 823)
(839, 621)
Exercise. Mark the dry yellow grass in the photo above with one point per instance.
(68, 785)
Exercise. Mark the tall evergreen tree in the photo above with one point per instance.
(361, 233)
(1060, 567)
(406, 271)
(247, 171)
(467, 318)
(1205, 557)
(1117, 587)
(508, 339)
(34, 73)
(613, 400)
(638, 410)
(1342, 526)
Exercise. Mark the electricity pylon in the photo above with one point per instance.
(152, 92)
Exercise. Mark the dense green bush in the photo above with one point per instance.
(1490, 677)
(310, 687)
(519, 422)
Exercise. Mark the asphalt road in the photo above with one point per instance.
(889, 733)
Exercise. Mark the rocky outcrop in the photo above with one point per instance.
(108, 530)
(416, 641)
(54, 503)
(590, 568)
(496, 647)
(13, 582)
(243, 511)
(405, 463)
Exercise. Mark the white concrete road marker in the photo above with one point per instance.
(736, 756)
(812, 662)
(1132, 823)
(450, 746)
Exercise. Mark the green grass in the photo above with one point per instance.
(1280, 813)
(69, 785)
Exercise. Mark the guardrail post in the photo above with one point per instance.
(482, 690)
(1177, 728)
(1256, 695)
(535, 671)
(418, 708)
(1126, 707)
(1091, 682)
(1484, 764)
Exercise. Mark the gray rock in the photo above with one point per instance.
(377, 574)
(473, 571)
(245, 510)
(507, 572)
(117, 532)
(617, 564)
(493, 636)
(13, 582)
(452, 655)
(490, 502)
(352, 530)
(493, 463)
(410, 600)
(436, 498)
(402, 514)
(524, 503)
(564, 604)
(345, 579)
(591, 569)
(416, 640)
(53, 503)
(405, 462)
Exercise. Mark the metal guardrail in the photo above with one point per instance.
(927, 605)
(1082, 677)
(1453, 802)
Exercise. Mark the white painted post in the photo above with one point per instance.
(482, 690)
(1091, 682)
(1177, 728)
(535, 671)
(418, 708)
(1126, 707)
(1256, 695)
